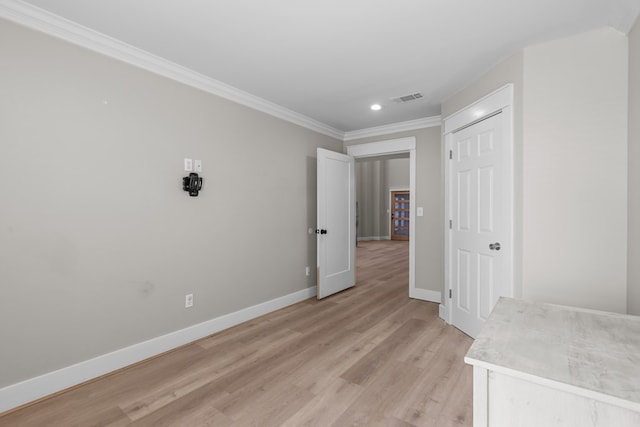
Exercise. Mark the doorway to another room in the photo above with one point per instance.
(400, 214)
(383, 213)
(401, 148)
(383, 198)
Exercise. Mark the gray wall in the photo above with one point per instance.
(575, 171)
(99, 244)
(375, 177)
(633, 266)
(429, 228)
(570, 167)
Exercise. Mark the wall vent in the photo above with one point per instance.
(407, 98)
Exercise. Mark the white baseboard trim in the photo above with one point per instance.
(32, 389)
(443, 312)
(364, 239)
(425, 295)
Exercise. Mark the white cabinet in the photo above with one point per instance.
(547, 365)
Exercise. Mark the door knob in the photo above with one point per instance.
(495, 246)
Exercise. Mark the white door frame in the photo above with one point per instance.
(498, 100)
(396, 146)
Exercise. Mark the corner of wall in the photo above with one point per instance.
(633, 165)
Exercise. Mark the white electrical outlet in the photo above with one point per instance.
(197, 165)
(308, 271)
(188, 301)
(188, 165)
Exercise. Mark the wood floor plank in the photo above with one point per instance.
(273, 373)
(426, 400)
(367, 356)
(375, 405)
(317, 377)
(415, 309)
(325, 408)
(458, 407)
(369, 365)
(389, 303)
(186, 412)
(275, 406)
(422, 350)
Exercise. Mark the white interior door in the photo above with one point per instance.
(336, 229)
(480, 229)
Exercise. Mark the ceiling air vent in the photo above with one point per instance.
(407, 98)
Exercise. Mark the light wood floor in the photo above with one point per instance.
(368, 356)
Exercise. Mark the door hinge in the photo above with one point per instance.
(450, 154)
(450, 293)
(450, 224)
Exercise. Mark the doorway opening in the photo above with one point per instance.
(396, 147)
(379, 181)
(383, 215)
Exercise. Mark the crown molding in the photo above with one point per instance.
(393, 128)
(38, 19)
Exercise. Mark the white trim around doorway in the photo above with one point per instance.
(396, 146)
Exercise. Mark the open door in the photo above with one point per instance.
(336, 229)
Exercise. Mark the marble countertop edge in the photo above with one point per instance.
(555, 384)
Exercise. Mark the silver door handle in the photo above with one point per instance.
(494, 246)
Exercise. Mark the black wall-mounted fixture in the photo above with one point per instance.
(192, 184)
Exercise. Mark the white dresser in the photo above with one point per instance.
(544, 365)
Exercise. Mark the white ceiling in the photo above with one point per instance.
(330, 59)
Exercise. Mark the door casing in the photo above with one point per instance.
(397, 146)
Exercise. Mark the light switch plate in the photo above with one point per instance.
(197, 165)
(188, 165)
(420, 211)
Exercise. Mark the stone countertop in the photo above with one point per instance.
(592, 353)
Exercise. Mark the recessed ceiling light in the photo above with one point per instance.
(376, 107)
